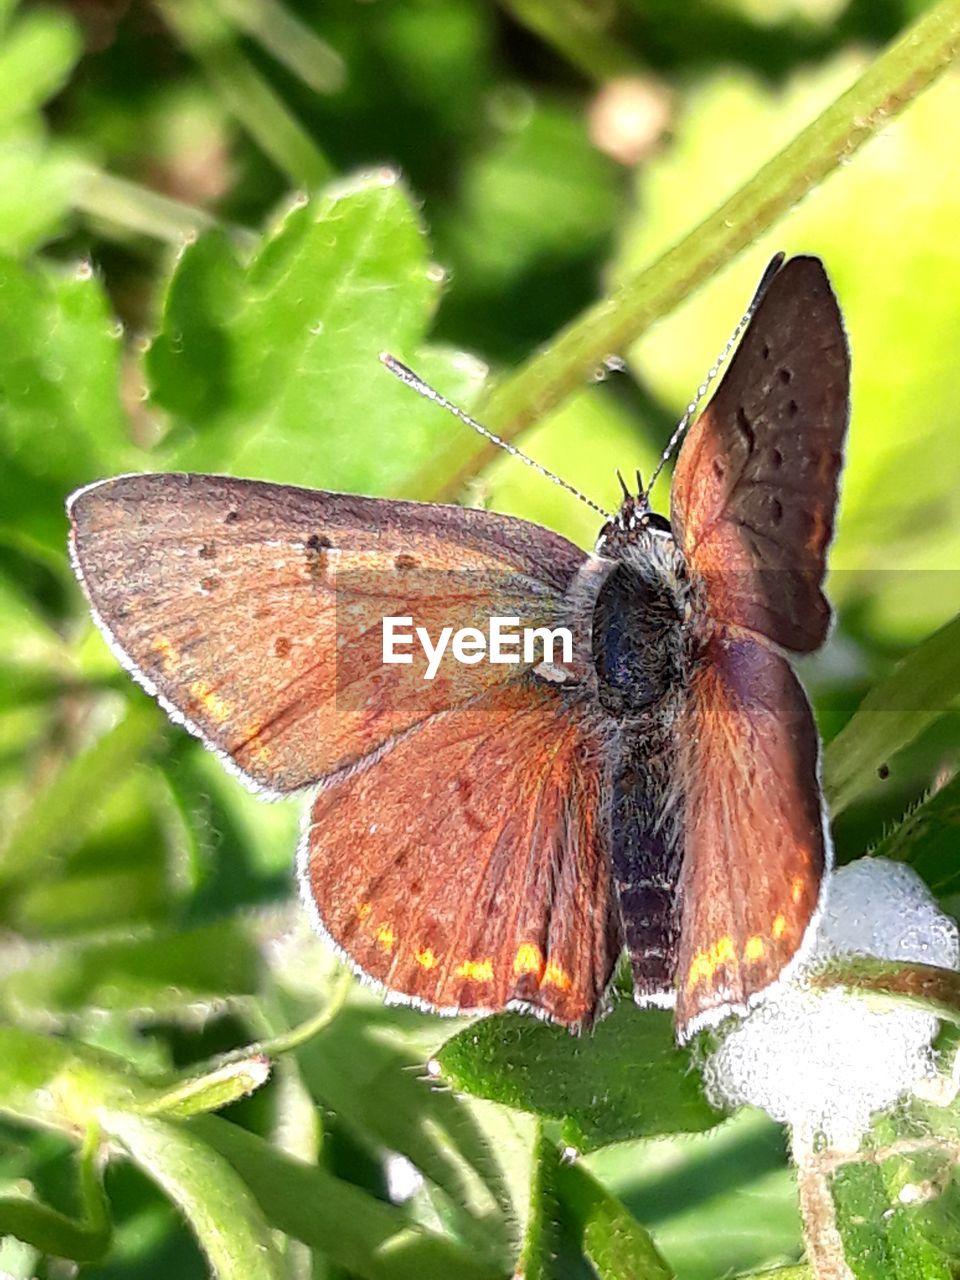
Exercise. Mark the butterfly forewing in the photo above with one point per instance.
(468, 869)
(255, 611)
(755, 486)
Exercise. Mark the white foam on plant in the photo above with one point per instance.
(825, 1061)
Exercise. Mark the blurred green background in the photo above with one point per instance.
(213, 215)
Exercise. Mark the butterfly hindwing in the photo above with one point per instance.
(254, 611)
(755, 485)
(468, 868)
(755, 848)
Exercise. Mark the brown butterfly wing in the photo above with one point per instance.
(755, 486)
(467, 869)
(254, 611)
(755, 843)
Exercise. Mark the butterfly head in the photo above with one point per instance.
(632, 523)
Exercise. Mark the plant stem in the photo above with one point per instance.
(304, 1031)
(290, 41)
(136, 208)
(893, 80)
(820, 1235)
(577, 34)
(206, 34)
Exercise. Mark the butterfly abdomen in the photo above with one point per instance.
(646, 855)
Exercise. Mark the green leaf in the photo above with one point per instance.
(37, 53)
(381, 1092)
(212, 1090)
(51, 1232)
(615, 1243)
(882, 1235)
(281, 373)
(928, 838)
(219, 1207)
(169, 974)
(59, 1084)
(542, 192)
(722, 1203)
(573, 1220)
(548, 1249)
(84, 1239)
(366, 1237)
(37, 184)
(893, 713)
(62, 813)
(625, 1080)
(60, 419)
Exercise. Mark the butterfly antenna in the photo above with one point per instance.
(429, 393)
(773, 266)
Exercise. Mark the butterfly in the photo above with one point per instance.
(498, 836)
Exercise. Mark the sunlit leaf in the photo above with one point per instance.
(281, 372)
(895, 711)
(627, 1079)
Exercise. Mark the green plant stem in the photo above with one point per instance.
(210, 39)
(84, 1239)
(290, 41)
(575, 32)
(306, 1030)
(893, 80)
(136, 208)
(824, 1246)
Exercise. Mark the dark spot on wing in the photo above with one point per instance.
(209, 584)
(405, 561)
(785, 375)
(746, 430)
(282, 646)
(776, 458)
(776, 510)
(793, 408)
(318, 544)
(232, 517)
(208, 551)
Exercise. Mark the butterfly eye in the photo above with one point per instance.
(654, 521)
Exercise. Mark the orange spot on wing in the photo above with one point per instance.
(169, 658)
(779, 926)
(475, 970)
(706, 963)
(529, 959)
(217, 708)
(259, 750)
(386, 937)
(363, 910)
(426, 958)
(754, 948)
(796, 888)
(554, 975)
